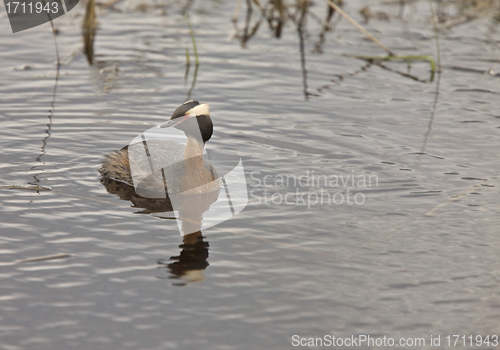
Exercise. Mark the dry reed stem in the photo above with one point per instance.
(359, 27)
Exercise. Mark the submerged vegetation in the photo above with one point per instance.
(89, 29)
(322, 16)
(277, 12)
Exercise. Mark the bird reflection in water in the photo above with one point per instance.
(188, 184)
(189, 265)
(191, 262)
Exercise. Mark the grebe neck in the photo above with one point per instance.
(194, 148)
(197, 178)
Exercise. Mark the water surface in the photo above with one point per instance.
(419, 257)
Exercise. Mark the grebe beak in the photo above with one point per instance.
(176, 121)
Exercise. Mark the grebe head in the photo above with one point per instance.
(192, 111)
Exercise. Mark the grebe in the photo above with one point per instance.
(190, 174)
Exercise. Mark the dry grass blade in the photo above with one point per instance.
(359, 27)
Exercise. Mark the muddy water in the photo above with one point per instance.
(415, 254)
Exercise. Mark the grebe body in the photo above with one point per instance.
(189, 172)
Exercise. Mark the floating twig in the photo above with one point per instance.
(27, 187)
(45, 257)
